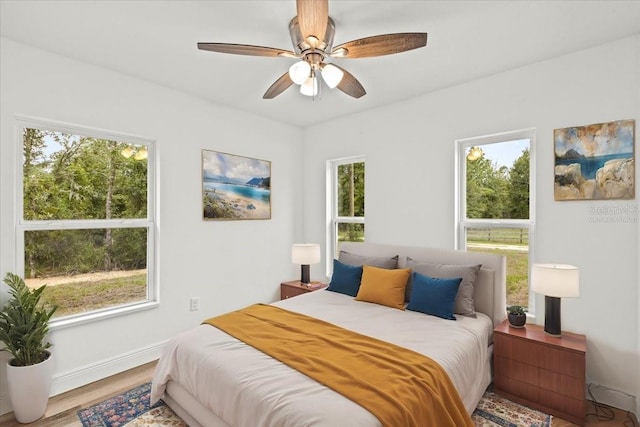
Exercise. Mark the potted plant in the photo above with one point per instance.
(517, 316)
(24, 325)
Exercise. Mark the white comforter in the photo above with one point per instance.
(247, 388)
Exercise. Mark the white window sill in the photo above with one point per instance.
(81, 319)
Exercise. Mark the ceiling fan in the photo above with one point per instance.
(312, 32)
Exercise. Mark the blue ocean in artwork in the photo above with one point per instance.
(248, 191)
(590, 165)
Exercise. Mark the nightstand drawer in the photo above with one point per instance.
(540, 371)
(290, 291)
(565, 384)
(515, 370)
(295, 288)
(562, 403)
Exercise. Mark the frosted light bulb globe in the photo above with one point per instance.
(332, 75)
(309, 87)
(299, 72)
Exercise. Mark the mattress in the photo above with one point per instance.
(243, 387)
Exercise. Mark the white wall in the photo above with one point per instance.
(638, 243)
(227, 264)
(409, 149)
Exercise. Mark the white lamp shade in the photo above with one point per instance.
(305, 253)
(332, 75)
(309, 87)
(555, 280)
(299, 72)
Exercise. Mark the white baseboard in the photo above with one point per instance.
(616, 398)
(74, 378)
(84, 375)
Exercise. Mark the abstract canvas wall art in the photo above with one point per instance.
(595, 161)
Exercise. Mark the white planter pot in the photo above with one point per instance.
(28, 388)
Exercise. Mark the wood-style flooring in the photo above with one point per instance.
(62, 409)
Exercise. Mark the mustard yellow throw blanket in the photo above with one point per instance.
(400, 387)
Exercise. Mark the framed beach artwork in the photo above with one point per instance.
(235, 187)
(595, 162)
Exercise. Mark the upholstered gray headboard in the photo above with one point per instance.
(490, 289)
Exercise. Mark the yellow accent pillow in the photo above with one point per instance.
(383, 286)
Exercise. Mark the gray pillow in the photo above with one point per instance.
(373, 261)
(469, 273)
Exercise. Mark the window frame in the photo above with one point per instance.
(150, 222)
(333, 220)
(462, 223)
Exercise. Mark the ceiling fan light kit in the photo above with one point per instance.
(312, 32)
(310, 86)
(299, 72)
(331, 75)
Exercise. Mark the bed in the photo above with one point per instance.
(210, 378)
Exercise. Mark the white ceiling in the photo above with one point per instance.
(156, 41)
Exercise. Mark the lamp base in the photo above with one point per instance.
(305, 276)
(552, 316)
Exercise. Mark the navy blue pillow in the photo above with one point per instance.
(346, 278)
(432, 296)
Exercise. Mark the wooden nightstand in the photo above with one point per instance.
(540, 371)
(295, 287)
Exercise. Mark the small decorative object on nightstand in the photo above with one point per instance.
(517, 316)
(541, 371)
(295, 288)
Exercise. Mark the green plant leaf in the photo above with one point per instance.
(24, 323)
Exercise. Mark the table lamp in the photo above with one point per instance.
(554, 281)
(305, 254)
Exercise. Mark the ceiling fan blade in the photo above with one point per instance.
(278, 86)
(245, 49)
(384, 44)
(350, 85)
(313, 16)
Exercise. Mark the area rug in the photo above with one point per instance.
(493, 410)
(131, 409)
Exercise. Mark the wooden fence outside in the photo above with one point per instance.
(516, 236)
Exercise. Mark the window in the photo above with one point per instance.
(346, 202)
(86, 219)
(494, 204)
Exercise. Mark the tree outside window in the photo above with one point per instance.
(495, 213)
(86, 227)
(347, 199)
